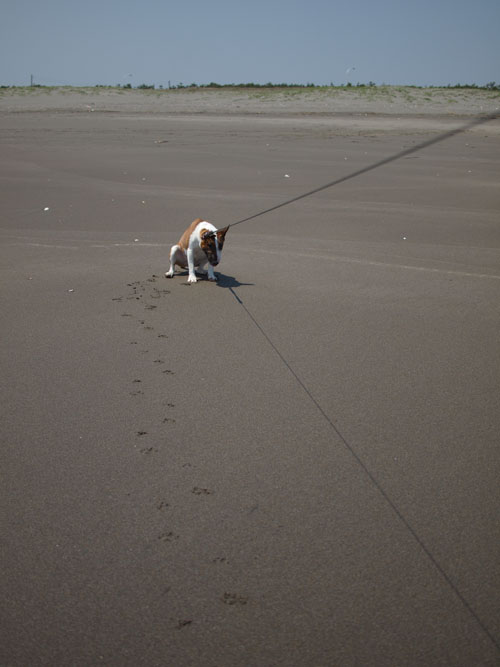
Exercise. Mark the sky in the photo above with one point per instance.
(110, 42)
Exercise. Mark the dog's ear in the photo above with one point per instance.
(221, 233)
(207, 234)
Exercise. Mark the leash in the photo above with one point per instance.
(397, 156)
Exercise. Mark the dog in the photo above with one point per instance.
(200, 244)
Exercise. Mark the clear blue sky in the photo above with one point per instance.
(88, 42)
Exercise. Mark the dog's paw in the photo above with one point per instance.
(169, 274)
(192, 279)
(213, 279)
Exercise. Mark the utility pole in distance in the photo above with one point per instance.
(31, 84)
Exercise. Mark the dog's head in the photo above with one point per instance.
(212, 243)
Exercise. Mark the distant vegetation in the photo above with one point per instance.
(492, 85)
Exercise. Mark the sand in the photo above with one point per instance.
(297, 465)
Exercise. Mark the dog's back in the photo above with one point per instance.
(186, 237)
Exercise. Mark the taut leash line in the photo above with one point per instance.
(425, 144)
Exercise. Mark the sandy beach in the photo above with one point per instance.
(297, 465)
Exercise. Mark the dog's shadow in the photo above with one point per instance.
(223, 280)
(229, 281)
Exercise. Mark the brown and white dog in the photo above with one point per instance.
(200, 244)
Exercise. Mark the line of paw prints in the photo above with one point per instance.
(140, 292)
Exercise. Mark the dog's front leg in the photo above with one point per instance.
(211, 274)
(190, 258)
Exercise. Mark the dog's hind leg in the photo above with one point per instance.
(208, 271)
(177, 256)
(201, 268)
